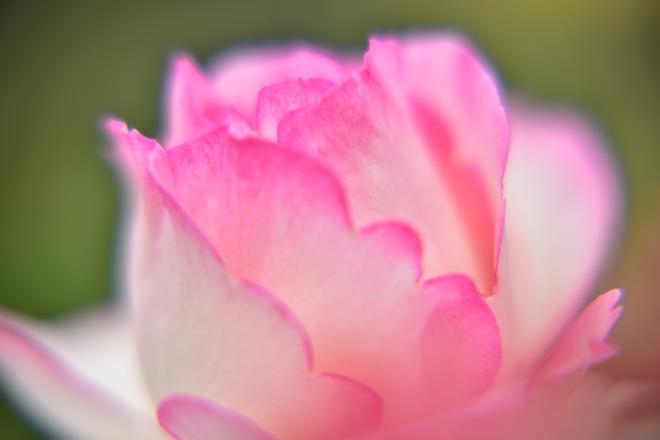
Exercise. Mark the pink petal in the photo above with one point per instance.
(192, 418)
(546, 411)
(193, 106)
(80, 380)
(204, 332)
(277, 100)
(460, 344)
(584, 342)
(562, 210)
(278, 218)
(456, 106)
(238, 77)
(404, 152)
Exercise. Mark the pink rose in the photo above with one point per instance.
(328, 248)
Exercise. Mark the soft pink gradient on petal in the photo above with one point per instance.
(279, 219)
(205, 332)
(400, 241)
(130, 151)
(276, 100)
(589, 409)
(584, 342)
(460, 344)
(80, 381)
(192, 418)
(399, 157)
(563, 201)
(193, 107)
(456, 107)
(239, 76)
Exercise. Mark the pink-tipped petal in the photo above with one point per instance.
(449, 83)
(193, 106)
(277, 100)
(405, 153)
(584, 342)
(278, 218)
(460, 343)
(238, 77)
(203, 331)
(562, 209)
(455, 105)
(80, 380)
(397, 240)
(131, 151)
(192, 418)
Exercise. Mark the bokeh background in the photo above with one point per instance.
(65, 64)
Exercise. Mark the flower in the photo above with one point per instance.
(324, 248)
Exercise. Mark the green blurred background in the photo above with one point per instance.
(66, 64)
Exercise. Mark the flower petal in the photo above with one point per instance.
(562, 208)
(193, 105)
(81, 380)
(191, 418)
(454, 103)
(277, 100)
(584, 342)
(204, 332)
(405, 153)
(238, 77)
(460, 344)
(546, 411)
(279, 219)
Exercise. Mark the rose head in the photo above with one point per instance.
(321, 247)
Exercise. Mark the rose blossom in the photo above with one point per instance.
(323, 248)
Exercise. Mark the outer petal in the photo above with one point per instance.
(584, 342)
(278, 218)
(238, 77)
(204, 332)
(193, 105)
(402, 153)
(562, 208)
(81, 380)
(192, 418)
